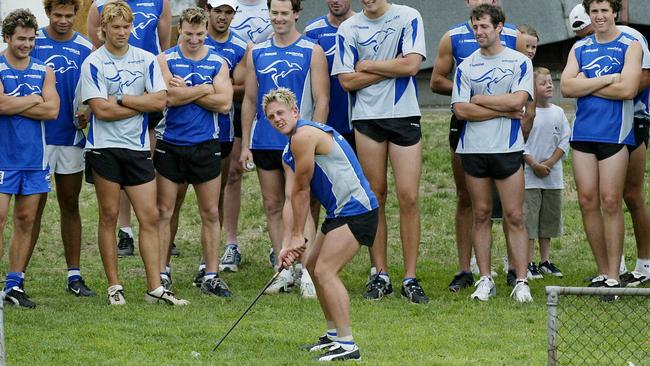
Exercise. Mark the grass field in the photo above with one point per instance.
(450, 330)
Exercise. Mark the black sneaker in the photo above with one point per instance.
(598, 281)
(338, 353)
(323, 342)
(377, 288)
(125, 245)
(18, 297)
(216, 286)
(511, 278)
(414, 292)
(633, 279)
(547, 267)
(533, 272)
(610, 283)
(174, 251)
(461, 280)
(198, 278)
(79, 288)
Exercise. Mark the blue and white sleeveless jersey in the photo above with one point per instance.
(190, 124)
(599, 119)
(508, 72)
(463, 41)
(338, 181)
(275, 67)
(400, 31)
(232, 51)
(65, 59)
(104, 75)
(146, 15)
(324, 34)
(22, 139)
(642, 100)
(252, 22)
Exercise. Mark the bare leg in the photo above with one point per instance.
(511, 193)
(25, 209)
(407, 168)
(544, 249)
(272, 187)
(108, 202)
(167, 192)
(5, 199)
(634, 196)
(124, 216)
(173, 228)
(463, 215)
(207, 196)
(68, 187)
(232, 193)
(480, 190)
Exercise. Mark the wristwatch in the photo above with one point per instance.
(119, 99)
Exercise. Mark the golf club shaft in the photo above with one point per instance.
(277, 273)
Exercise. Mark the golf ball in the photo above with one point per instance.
(250, 165)
(195, 354)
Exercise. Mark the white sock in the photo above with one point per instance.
(643, 266)
(128, 230)
(209, 275)
(346, 342)
(157, 291)
(373, 271)
(168, 268)
(384, 276)
(331, 334)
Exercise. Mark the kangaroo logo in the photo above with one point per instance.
(493, 77)
(253, 26)
(124, 79)
(609, 61)
(201, 79)
(377, 39)
(60, 64)
(280, 69)
(140, 22)
(24, 89)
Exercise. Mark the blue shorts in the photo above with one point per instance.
(25, 182)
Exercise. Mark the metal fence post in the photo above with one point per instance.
(552, 297)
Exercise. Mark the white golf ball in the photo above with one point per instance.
(250, 165)
(196, 354)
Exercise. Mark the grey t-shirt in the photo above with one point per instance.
(104, 74)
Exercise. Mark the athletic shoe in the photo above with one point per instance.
(610, 283)
(323, 342)
(198, 278)
(307, 288)
(598, 281)
(116, 295)
(549, 268)
(79, 288)
(485, 288)
(167, 297)
(414, 292)
(461, 280)
(216, 286)
(125, 245)
(18, 297)
(533, 272)
(231, 259)
(174, 251)
(377, 288)
(282, 283)
(338, 353)
(521, 292)
(166, 282)
(511, 278)
(272, 259)
(633, 279)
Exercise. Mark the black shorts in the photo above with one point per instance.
(188, 164)
(236, 120)
(119, 165)
(349, 137)
(455, 129)
(267, 159)
(602, 150)
(641, 132)
(363, 227)
(400, 131)
(226, 149)
(495, 166)
(153, 119)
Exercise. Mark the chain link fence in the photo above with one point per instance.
(585, 330)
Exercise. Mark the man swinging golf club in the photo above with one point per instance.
(319, 159)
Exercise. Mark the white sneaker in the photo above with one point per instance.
(485, 288)
(167, 297)
(521, 292)
(282, 283)
(297, 274)
(116, 295)
(307, 288)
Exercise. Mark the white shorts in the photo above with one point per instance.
(65, 159)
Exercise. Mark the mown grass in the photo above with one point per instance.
(450, 330)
